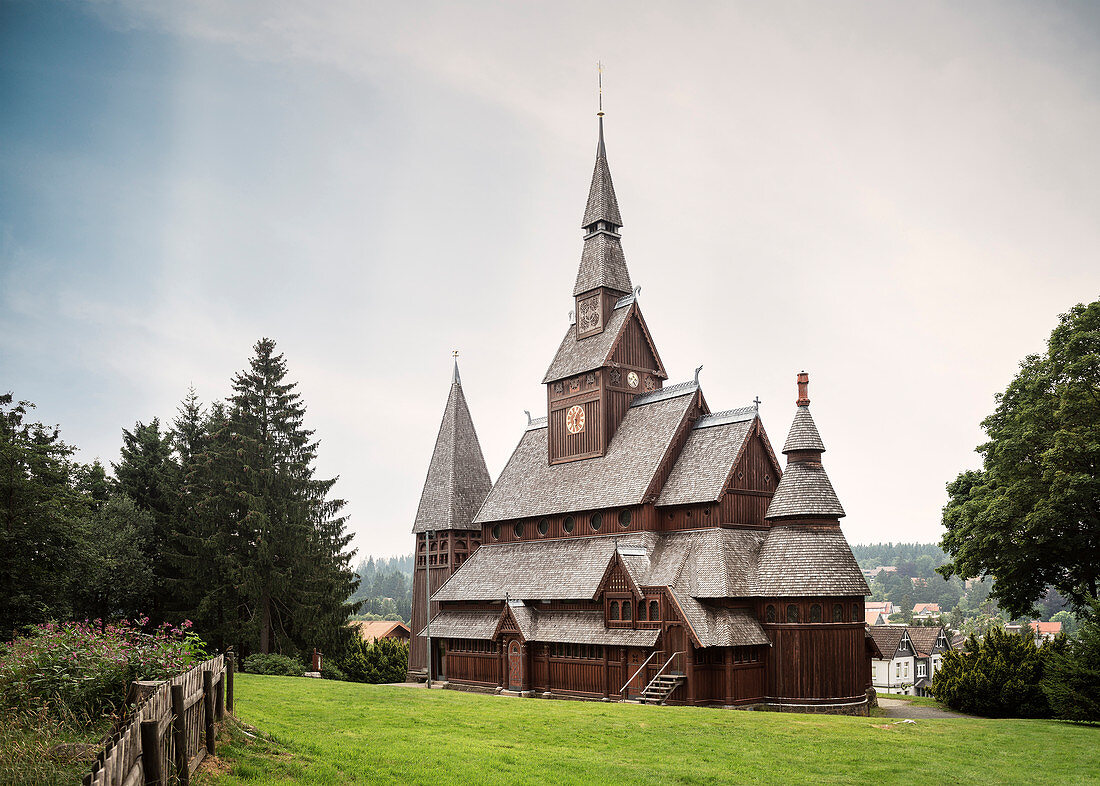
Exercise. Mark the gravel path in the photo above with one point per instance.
(898, 708)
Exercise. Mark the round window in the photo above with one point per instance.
(624, 519)
(567, 525)
(496, 532)
(544, 526)
(596, 521)
(518, 529)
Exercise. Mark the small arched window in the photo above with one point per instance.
(769, 613)
(792, 612)
(596, 521)
(627, 615)
(544, 526)
(654, 611)
(496, 532)
(567, 525)
(624, 518)
(641, 611)
(857, 613)
(815, 613)
(614, 609)
(518, 529)
(838, 613)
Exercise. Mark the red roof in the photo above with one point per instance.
(372, 630)
(1053, 628)
(931, 608)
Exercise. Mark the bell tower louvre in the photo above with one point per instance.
(636, 544)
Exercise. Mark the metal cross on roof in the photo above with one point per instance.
(756, 403)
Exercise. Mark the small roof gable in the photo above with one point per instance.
(530, 486)
(924, 639)
(888, 638)
(712, 626)
(708, 457)
(576, 356)
(458, 479)
(803, 434)
(799, 561)
(804, 491)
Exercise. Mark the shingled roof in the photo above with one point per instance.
(803, 434)
(704, 465)
(603, 264)
(888, 638)
(558, 627)
(602, 204)
(530, 486)
(458, 479)
(796, 560)
(804, 491)
(575, 356)
(924, 639)
(718, 626)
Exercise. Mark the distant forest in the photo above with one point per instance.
(385, 588)
(916, 581)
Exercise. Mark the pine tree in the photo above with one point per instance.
(296, 577)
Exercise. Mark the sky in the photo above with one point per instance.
(898, 198)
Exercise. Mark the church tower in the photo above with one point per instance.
(607, 356)
(457, 483)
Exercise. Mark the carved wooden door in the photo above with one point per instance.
(515, 667)
(635, 673)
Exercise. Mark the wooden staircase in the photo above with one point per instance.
(661, 687)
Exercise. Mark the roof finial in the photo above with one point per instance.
(756, 404)
(697, 370)
(599, 83)
(803, 389)
(527, 412)
(455, 379)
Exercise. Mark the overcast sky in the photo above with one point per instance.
(898, 198)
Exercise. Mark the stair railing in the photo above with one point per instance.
(645, 663)
(661, 670)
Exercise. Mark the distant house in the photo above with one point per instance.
(874, 617)
(372, 630)
(886, 607)
(929, 643)
(926, 611)
(895, 671)
(1045, 631)
(870, 573)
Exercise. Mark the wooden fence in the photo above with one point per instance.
(168, 734)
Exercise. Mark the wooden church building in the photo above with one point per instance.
(637, 544)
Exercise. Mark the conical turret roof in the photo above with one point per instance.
(602, 204)
(458, 480)
(803, 434)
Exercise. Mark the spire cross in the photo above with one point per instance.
(756, 403)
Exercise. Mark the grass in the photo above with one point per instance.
(322, 732)
(38, 748)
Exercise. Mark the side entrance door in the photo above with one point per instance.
(515, 666)
(637, 680)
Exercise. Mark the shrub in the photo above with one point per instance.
(272, 663)
(85, 668)
(384, 660)
(1071, 681)
(998, 676)
(331, 671)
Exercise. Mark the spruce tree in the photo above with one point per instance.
(296, 576)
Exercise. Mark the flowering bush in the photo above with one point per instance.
(86, 667)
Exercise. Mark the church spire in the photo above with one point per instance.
(602, 261)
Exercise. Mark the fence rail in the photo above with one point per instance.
(169, 733)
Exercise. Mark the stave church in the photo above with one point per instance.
(637, 545)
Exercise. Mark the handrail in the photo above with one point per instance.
(626, 685)
(660, 670)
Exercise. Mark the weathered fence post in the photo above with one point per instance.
(231, 666)
(150, 753)
(208, 707)
(179, 734)
(219, 700)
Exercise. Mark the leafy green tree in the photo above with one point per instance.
(1071, 680)
(1068, 620)
(40, 512)
(117, 577)
(1031, 516)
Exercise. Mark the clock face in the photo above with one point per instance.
(632, 379)
(574, 419)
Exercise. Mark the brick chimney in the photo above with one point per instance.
(803, 389)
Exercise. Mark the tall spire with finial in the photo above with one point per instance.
(602, 261)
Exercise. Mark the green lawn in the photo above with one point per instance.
(317, 731)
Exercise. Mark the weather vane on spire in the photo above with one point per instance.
(599, 83)
(454, 354)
